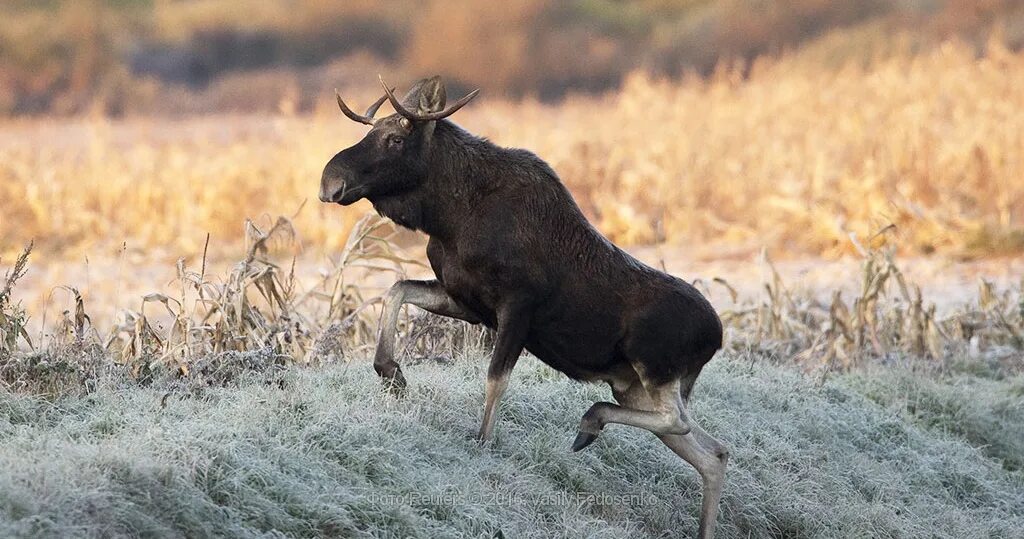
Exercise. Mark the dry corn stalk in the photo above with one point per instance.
(258, 307)
(12, 317)
(887, 316)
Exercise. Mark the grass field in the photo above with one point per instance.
(302, 452)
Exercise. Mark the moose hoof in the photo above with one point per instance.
(583, 439)
(395, 384)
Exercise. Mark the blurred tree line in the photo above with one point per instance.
(174, 56)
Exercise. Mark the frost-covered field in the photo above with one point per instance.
(324, 452)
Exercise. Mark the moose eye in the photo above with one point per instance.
(395, 140)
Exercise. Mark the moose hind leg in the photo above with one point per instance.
(427, 295)
(710, 458)
(659, 411)
(698, 448)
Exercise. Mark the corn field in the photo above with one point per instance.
(257, 318)
(909, 154)
(779, 154)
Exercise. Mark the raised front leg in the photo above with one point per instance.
(427, 295)
(513, 326)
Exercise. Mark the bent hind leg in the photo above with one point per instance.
(659, 410)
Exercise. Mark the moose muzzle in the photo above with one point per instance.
(332, 185)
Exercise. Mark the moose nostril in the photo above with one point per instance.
(328, 191)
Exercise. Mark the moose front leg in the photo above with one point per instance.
(427, 295)
(513, 325)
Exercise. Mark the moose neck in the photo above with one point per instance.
(441, 204)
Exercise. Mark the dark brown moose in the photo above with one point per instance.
(511, 249)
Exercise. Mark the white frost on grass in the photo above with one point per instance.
(331, 454)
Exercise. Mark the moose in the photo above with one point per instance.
(511, 249)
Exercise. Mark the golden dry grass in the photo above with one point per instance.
(793, 158)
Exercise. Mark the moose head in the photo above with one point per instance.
(391, 158)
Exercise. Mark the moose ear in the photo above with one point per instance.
(432, 95)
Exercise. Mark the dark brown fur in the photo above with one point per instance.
(510, 248)
(503, 228)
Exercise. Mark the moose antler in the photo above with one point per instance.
(430, 116)
(366, 118)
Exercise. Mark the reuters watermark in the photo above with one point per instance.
(513, 499)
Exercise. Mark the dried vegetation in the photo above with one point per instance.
(887, 319)
(257, 320)
(780, 153)
(217, 328)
